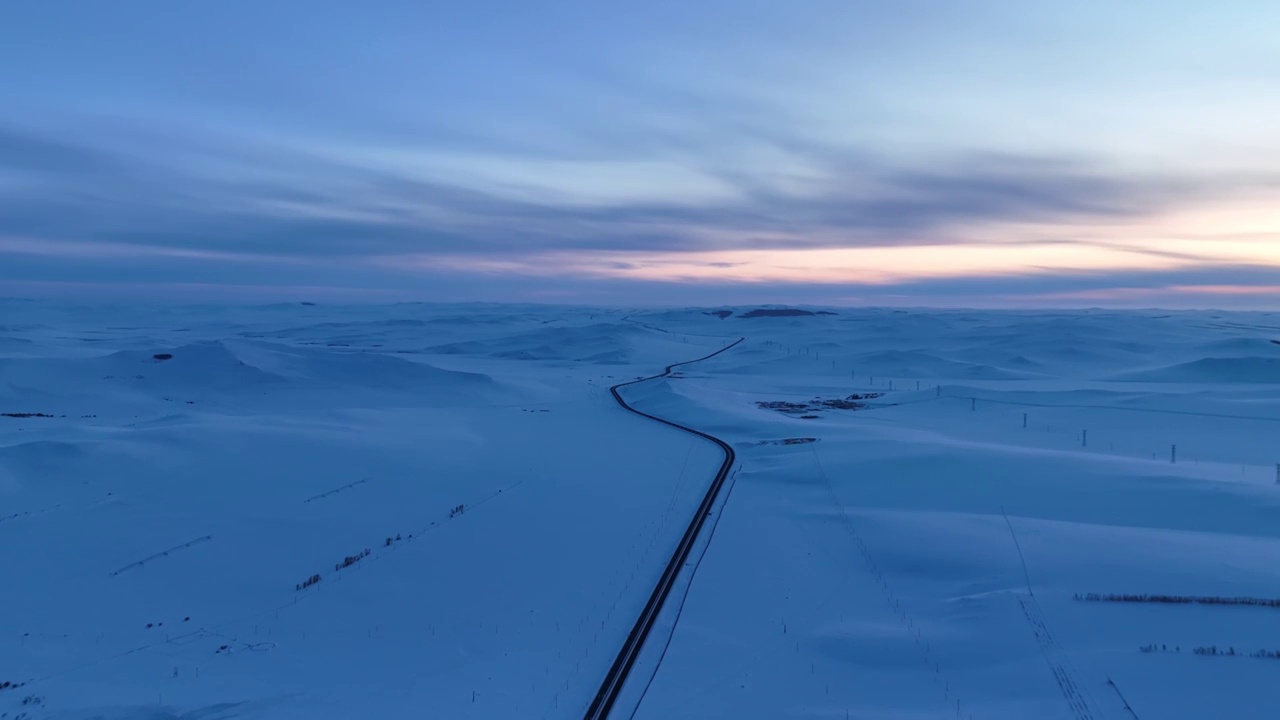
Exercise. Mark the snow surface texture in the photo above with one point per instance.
(170, 478)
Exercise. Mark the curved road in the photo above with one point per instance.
(617, 675)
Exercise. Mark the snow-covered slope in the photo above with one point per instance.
(486, 522)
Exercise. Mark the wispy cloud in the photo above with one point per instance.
(305, 203)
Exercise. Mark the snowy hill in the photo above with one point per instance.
(1002, 515)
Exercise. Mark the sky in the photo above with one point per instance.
(923, 153)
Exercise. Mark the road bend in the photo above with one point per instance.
(614, 680)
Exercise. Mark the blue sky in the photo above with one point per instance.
(920, 153)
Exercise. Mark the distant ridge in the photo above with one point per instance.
(1213, 370)
(768, 312)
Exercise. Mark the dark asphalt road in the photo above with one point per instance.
(611, 687)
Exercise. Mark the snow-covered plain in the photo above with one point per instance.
(157, 526)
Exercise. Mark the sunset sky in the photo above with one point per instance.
(996, 154)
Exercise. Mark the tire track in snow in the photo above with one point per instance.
(1076, 696)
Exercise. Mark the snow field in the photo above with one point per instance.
(919, 558)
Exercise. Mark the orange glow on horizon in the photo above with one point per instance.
(1241, 233)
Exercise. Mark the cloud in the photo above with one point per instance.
(22, 151)
(146, 208)
(286, 201)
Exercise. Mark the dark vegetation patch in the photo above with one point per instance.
(25, 415)
(782, 312)
(163, 356)
(1275, 342)
(308, 304)
(1179, 599)
(852, 402)
(808, 417)
(789, 441)
(350, 560)
(1211, 651)
(390, 541)
(722, 314)
(1231, 651)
